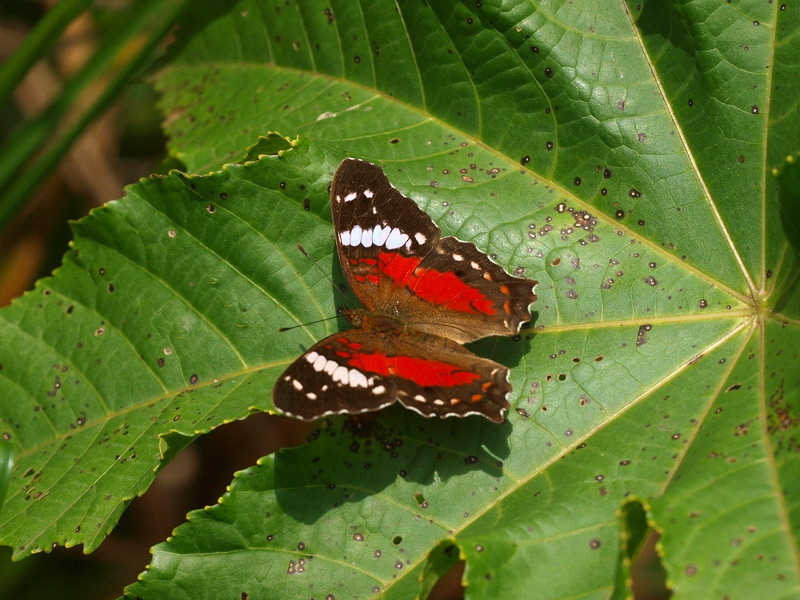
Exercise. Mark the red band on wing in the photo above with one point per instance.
(421, 371)
(442, 289)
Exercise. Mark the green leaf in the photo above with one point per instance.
(618, 154)
(37, 145)
(148, 329)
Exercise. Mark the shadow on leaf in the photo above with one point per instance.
(349, 460)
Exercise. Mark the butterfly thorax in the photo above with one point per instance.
(375, 322)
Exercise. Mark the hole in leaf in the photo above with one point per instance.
(647, 573)
(449, 585)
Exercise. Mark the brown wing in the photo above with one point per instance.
(363, 370)
(372, 219)
(397, 263)
(459, 293)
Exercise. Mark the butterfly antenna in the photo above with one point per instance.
(321, 270)
(309, 323)
(328, 277)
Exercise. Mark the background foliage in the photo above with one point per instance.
(620, 154)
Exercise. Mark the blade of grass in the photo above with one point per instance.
(7, 453)
(38, 41)
(153, 18)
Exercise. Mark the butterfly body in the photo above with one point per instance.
(424, 296)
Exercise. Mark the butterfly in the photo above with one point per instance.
(424, 296)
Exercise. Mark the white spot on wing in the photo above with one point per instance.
(344, 238)
(311, 357)
(366, 238)
(311, 396)
(355, 235)
(368, 193)
(357, 378)
(297, 385)
(419, 398)
(421, 239)
(379, 389)
(396, 239)
(320, 363)
(350, 197)
(474, 265)
(330, 367)
(341, 374)
(379, 234)
(458, 257)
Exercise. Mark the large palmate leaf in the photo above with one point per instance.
(618, 154)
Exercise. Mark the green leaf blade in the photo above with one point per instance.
(142, 332)
(560, 139)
